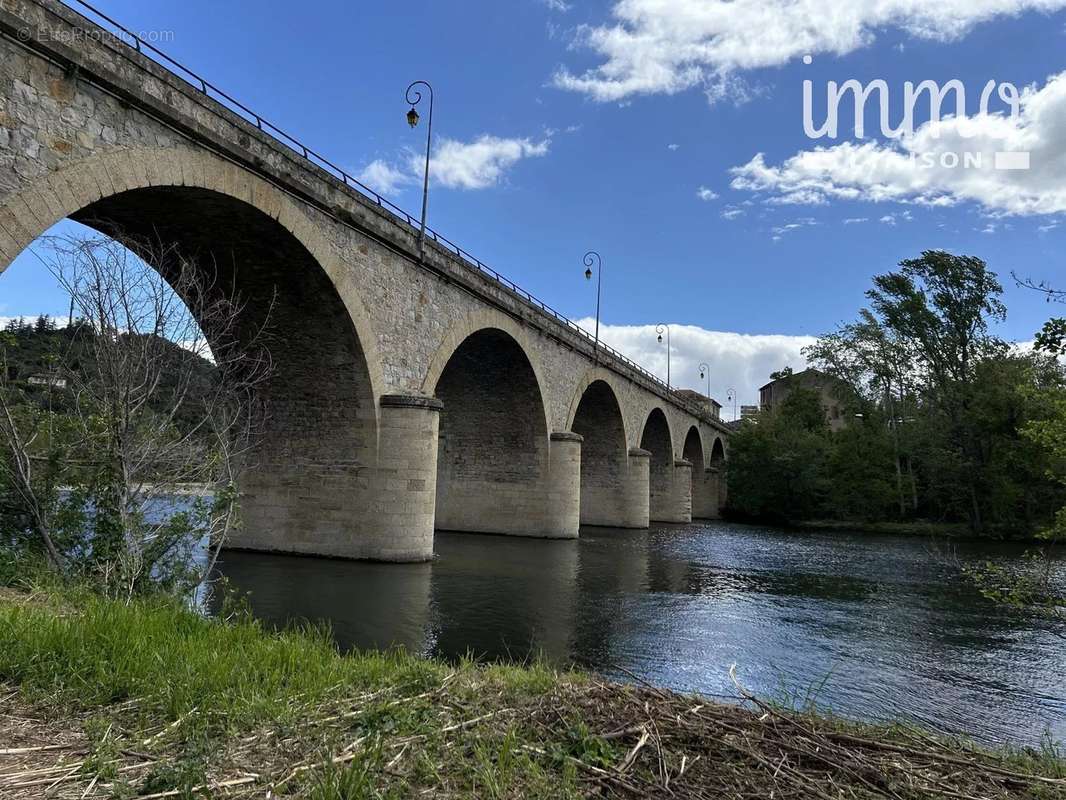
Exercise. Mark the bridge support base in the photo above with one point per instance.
(705, 494)
(374, 512)
(676, 505)
(635, 491)
(563, 498)
(404, 485)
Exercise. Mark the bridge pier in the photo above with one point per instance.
(381, 511)
(635, 506)
(680, 508)
(562, 506)
(404, 485)
(705, 494)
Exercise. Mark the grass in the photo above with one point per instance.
(174, 661)
(149, 699)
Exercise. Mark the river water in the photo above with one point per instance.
(869, 627)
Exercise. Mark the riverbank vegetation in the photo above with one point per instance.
(149, 699)
(943, 422)
(104, 421)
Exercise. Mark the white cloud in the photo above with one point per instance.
(789, 227)
(888, 219)
(668, 46)
(384, 178)
(478, 164)
(672, 146)
(705, 194)
(557, 5)
(930, 168)
(737, 360)
(732, 213)
(856, 220)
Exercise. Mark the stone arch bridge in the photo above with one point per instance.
(411, 394)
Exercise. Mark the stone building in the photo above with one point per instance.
(832, 392)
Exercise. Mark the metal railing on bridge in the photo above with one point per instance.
(209, 89)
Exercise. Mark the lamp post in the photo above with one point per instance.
(659, 330)
(592, 257)
(705, 371)
(414, 97)
(731, 396)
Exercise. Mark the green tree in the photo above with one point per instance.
(777, 464)
(878, 365)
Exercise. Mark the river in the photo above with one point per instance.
(869, 627)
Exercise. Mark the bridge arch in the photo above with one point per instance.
(597, 417)
(65, 192)
(692, 450)
(591, 376)
(489, 319)
(322, 428)
(493, 444)
(656, 439)
(718, 454)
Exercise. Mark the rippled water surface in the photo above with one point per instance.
(872, 627)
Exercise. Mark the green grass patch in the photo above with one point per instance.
(94, 652)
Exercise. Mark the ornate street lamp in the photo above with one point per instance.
(731, 397)
(592, 257)
(659, 330)
(705, 371)
(414, 97)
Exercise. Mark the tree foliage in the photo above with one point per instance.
(946, 422)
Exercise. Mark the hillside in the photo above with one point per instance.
(38, 351)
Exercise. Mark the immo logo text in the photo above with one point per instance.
(947, 98)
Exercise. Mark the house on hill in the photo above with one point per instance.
(832, 392)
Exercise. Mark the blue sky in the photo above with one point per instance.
(565, 126)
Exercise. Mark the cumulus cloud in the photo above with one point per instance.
(856, 220)
(479, 164)
(737, 360)
(705, 194)
(668, 46)
(942, 164)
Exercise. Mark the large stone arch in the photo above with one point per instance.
(610, 379)
(488, 319)
(657, 439)
(598, 419)
(496, 467)
(306, 492)
(704, 489)
(692, 449)
(29, 213)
